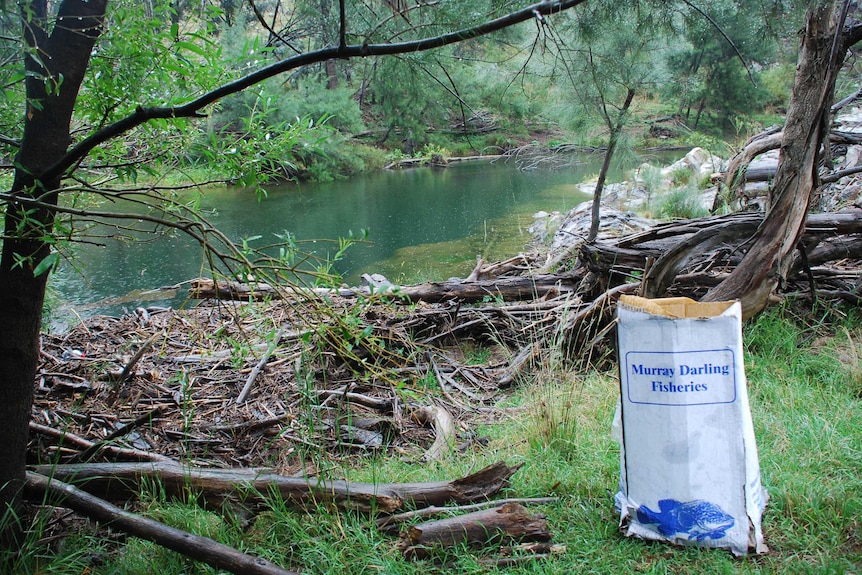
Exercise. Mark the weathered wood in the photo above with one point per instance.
(444, 431)
(666, 268)
(41, 488)
(391, 523)
(124, 374)
(258, 368)
(506, 524)
(123, 453)
(122, 481)
(682, 242)
(508, 288)
(769, 257)
(734, 177)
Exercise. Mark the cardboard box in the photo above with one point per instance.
(689, 472)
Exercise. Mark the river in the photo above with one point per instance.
(421, 224)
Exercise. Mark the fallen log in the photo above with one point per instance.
(390, 523)
(510, 523)
(92, 449)
(668, 248)
(508, 288)
(43, 489)
(249, 487)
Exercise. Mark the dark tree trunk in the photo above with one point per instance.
(767, 261)
(52, 88)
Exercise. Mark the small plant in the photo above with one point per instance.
(681, 176)
(184, 397)
(682, 203)
(477, 355)
(433, 154)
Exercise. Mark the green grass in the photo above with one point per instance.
(683, 202)
(808, 422)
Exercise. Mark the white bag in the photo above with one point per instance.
(689, 472)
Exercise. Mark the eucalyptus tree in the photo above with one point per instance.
(86, 74)
(831, 28)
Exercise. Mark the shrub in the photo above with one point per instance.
(682, 203)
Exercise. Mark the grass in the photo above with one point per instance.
(683, 202)
(807, 412)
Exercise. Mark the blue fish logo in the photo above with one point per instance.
(697, 519)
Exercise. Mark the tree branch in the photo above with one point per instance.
(198, 548)
(192, 109)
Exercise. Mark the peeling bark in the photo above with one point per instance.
(767, 262)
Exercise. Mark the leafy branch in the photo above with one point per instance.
(193, 109)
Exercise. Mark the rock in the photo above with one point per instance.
(576, 225)
(620, 199)
(544, 225)
(699, 161)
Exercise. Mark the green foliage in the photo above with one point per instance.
(405, 102)
(682, 202)
(777, 80)
(716, 77)
(309, 96)
(264, 149)
(652, 179)
(42, 552)
(145, 59)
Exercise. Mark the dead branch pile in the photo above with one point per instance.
(234, 385)
(262, 391)
(240, 385)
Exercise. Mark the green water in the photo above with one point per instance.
(421, 224)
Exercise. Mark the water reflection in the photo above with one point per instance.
(421, 224)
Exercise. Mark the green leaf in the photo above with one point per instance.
(192, 47)
(46, 264)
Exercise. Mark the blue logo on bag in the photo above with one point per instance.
(698, 519)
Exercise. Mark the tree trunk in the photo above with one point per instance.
(331, 75)
(616, 130)
(53, 81)
(766, 264)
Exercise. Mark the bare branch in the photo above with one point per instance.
(10, 142)
(270, 29)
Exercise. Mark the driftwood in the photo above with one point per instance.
(390, 523)
(218, 555)
(667, 249)
(258, 368)
(121, 481)
(506, 524)
(508, 288)
(444, 431)
(95, 448)
(124, 374)
(738, 171)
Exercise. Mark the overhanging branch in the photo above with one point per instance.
(193, 108)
